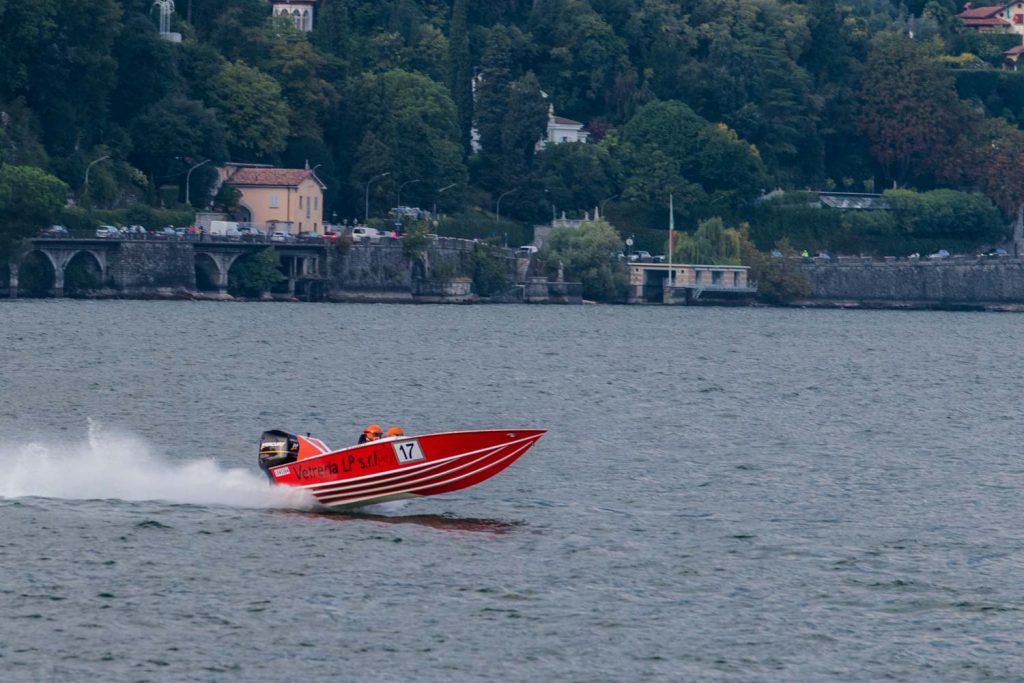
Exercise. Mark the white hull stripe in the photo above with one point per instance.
(394, 476)
(418, 466)
(404, 492)
(431, 481)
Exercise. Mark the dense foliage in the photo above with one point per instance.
(712, 101)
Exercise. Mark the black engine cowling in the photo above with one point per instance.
(278, 448)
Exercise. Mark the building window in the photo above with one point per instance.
(307, 211)
(300, 201)
(316, 203)
(274, 202)
(1018, 18)
(736, 279)
(716, 277)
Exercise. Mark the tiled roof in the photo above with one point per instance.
(986, 21)
(275, 177)
(565, 122)
(1014, 51)
(981, 12)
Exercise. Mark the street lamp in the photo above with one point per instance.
(606, 200)
(188, 178)
(398, 202)
(89, 168)
(446, 187)
(497, 205)
(367, 199)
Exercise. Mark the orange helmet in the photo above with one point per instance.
(395, 431)
(374, 431)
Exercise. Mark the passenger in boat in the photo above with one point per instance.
(371, 433)
(395, 431)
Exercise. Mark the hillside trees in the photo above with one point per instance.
(174, 133)
(909, 110)
(510, 114)
(672, 150)
(406, 125)
(249, 104)
(29, 198)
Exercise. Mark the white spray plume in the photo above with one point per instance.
(111, 465)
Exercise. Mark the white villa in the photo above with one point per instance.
(300, 11)
(562, 130)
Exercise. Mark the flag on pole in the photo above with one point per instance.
(671, 236)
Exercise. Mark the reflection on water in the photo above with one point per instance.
(444, 522)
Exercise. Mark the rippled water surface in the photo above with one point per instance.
(724, 494)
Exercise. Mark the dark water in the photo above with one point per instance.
(725, 494)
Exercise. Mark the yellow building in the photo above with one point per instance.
(285, 199)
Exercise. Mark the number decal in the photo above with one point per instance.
(407, 451)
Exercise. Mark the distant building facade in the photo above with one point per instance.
(285, 199)
(561, 130)
(1003, 18)
(299, 11)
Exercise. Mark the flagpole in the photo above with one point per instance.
(671, 240)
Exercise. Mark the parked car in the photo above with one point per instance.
(640, 256)
(232, 233)
(249, 233)
(331, 236)
(998, 252)
(136, 230)
(56, 231)
(167, 232)
(281, 236)
(360, 233)
(940, 254)
(526, 250)
(180, 232)
(107, 232)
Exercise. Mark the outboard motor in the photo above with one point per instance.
(277, 448)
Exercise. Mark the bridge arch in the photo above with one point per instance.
(83, 272)
(36, 275)
(209, 276)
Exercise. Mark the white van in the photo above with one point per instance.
(363, 233)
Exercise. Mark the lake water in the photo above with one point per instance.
(724, 494)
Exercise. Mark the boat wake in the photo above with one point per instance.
(109, 465)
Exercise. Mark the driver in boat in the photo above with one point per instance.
(371, 433)
(395, 431)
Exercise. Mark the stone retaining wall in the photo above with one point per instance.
(942, 281)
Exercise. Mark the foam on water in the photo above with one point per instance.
(123, 466)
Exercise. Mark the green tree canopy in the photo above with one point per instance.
(250, 105)
(588, 254)
(29, 200)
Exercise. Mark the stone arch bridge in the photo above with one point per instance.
(140, 267)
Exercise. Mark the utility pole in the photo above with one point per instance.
(497, 206)
(369, 182)
(188, 177)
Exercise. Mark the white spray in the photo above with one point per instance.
(111, 465)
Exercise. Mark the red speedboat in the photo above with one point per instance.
(393, 468)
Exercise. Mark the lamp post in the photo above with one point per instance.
(398, 199)
(366, 200)
(606, 200)
(446, 187)
(188, 178)
(89, 168)
(497, 205)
